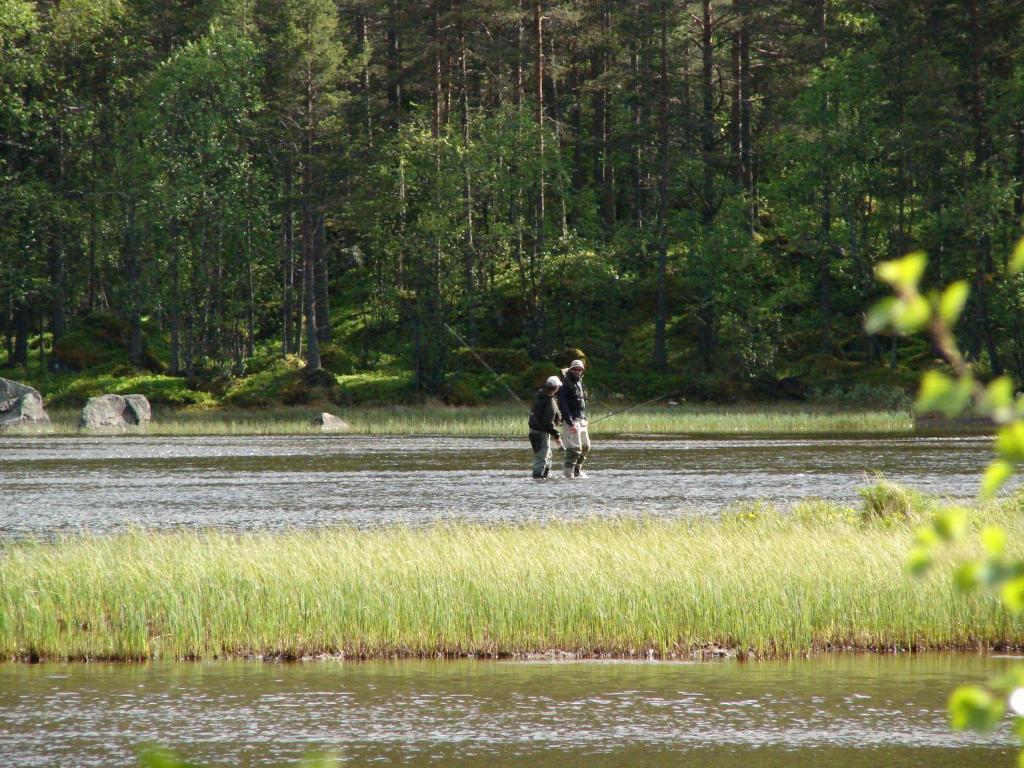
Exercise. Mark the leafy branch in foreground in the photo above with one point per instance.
(911, 311)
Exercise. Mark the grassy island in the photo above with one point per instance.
(757, 581)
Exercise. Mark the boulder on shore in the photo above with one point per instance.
(330, 423)
(20, 405)
(115, 412)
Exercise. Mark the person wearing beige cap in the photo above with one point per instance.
(572, 402)
(544, 421)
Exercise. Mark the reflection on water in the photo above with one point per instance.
(842, 711)
(62, 484)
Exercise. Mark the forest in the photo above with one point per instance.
(692, 194)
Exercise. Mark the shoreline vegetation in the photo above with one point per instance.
(757, 583)
(507, 421)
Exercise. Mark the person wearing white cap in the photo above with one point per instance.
(572, 402)
(544, 421)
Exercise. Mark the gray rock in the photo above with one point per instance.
(12, 390)
(20, 406)
(115, 412)
(139, 406)
(330, 423)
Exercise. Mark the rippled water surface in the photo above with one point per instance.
(50, 485)
(844, 712)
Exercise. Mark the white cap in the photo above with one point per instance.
(577, 364)
(553, 382)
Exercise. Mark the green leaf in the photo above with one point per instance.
(967, 577)
(919, 560)
(993, 539)
(950, 524)
(935, 390)
(952, 302)
(1017, 259)
(1013, 594)
(1018, 731)
(912, 316)
(903, 273)
(973, 708)
(1010, 682)
(880, 315)
(926, 536)
(998, 472)
(1010, 442)
(998, 399)
(941, 393)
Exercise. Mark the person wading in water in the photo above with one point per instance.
(544, 421)
(572, 401)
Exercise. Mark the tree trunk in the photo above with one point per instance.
(707, 50)
(707, 342)
(323, 304)
(746, 130)
(309, 286)
(660, 355)
(22, 328)
(309, 226)
(984, 265)
(287, 261)
(538, 27)
(394, 66)
(469, 245)
(825, 244)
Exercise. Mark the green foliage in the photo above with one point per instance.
(336, 359)
(99, 341)
(68, 391)
(266, 386)
(502, 360)
(975, 709)
(379, 388)
(970, 707)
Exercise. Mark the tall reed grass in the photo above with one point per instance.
(757, 581)
(511, 421)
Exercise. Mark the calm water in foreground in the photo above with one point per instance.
(838, 711)
(64, 484)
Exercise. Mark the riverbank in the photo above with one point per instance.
(509, 421)
(756, 582)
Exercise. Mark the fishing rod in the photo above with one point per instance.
(485, 365)
(638, 405)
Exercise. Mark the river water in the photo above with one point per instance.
(844, 711)
(839, 711)
(55, 485)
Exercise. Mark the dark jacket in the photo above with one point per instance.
(572, 398)
(544, 415)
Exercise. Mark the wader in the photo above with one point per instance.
(541, 444)
(577, 446)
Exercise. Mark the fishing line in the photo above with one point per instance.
(523, 405)
(485, 365)
(638, 405)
